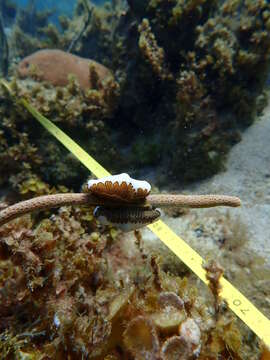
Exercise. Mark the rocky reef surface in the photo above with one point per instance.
(191, 74)
(72, 289)
(186, 78)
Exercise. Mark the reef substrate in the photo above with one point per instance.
(191, 75)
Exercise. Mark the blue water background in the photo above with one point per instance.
(61, 7)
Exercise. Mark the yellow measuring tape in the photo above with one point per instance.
(237, 302)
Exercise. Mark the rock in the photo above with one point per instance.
(55, 66)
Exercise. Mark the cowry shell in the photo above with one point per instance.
(121, 188)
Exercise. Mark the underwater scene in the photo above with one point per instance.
(135, 179)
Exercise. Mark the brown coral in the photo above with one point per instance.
(55, 66)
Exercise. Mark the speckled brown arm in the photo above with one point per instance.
(43, 203)
(158, 200)
(193, 201)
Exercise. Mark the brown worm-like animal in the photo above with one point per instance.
(158, 200)
(123, 215)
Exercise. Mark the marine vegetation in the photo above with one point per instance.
(28, 153)
(72, 289)
(189, 76)
(185, 78)
(199, 69)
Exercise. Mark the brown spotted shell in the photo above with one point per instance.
(120, 188)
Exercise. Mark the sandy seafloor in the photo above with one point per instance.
(245, 256)
(247, 175)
